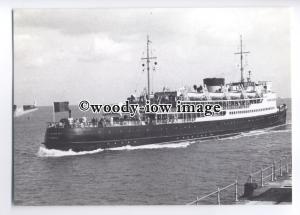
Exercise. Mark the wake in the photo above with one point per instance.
(271, 130)
(44, 152)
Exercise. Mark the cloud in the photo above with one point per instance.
(54, 48)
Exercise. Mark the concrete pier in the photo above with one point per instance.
(273, 192)
(269, 185)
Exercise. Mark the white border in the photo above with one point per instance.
(6, 206)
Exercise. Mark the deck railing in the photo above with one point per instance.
(270, 172)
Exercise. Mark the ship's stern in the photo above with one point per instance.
(54, 138)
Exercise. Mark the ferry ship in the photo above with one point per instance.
(245, 105)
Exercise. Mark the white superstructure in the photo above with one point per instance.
(237, 100)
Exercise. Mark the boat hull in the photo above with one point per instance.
(92, 138)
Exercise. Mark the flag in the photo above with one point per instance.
(61, 106)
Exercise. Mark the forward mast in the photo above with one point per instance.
(148, 59)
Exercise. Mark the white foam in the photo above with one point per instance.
(154, 146)
(44, 152)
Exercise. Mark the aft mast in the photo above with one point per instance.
(148, 59)
(241, 53)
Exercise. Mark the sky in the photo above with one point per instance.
(95, 54)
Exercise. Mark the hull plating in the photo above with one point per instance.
(87, 139)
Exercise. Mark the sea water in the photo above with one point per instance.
(171, 173)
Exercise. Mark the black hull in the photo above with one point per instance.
(88, 139)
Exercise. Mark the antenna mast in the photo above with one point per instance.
(241, 53)
(148, 58)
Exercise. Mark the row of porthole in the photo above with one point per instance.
(188, 137)
(122, 142)
(183, 137)
(147, 130)
(185, 127)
